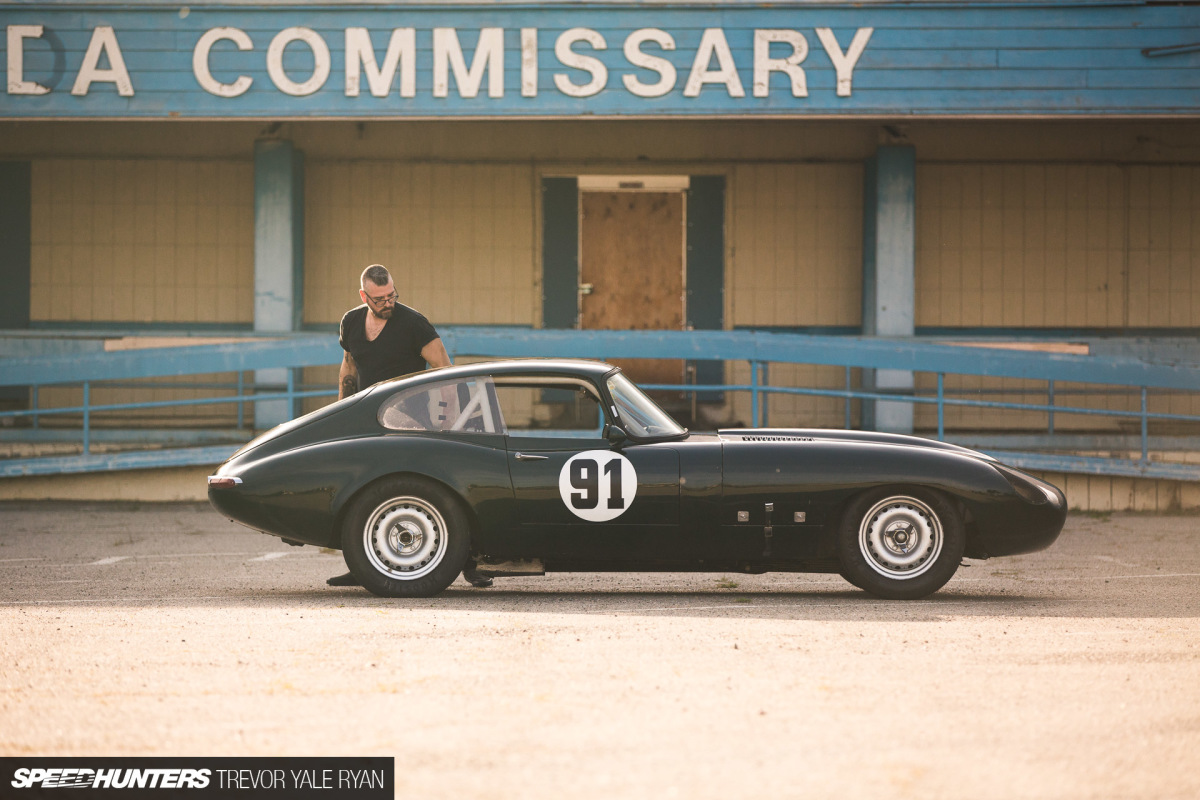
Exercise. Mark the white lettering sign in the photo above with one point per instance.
(664, 68)
(529, 64)
(844, 62)
(649, 74)
(200, 62)
(321, 63)
(489, 57)
(764, 65)
(17, 34)
(361, 54)
(104, 43)
(569, 58)
(713, 43)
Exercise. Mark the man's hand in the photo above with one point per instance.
(347, 378)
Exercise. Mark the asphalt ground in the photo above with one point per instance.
(167, 630)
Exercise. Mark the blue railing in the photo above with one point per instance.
(757, 349)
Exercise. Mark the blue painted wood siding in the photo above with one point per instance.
(948, 60)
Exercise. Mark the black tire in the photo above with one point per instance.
(406, 537)
(900, 543)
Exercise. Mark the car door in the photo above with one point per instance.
(576, 495)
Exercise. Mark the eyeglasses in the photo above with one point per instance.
(383, 301)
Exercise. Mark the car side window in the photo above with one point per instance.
(549, 407)
(467, 405)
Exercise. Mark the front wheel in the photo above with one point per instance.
(900, 544)
(406, 538)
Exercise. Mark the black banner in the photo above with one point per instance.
(247, 778)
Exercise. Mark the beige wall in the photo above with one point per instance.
(597, 142)
(458, 239)
(142, 241)
(795, 259)
(1005, 240)
(1043, 245)
(1049, 245)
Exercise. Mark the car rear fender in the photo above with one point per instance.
(474, 467)
(339, 517)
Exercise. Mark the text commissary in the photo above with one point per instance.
(389, 62)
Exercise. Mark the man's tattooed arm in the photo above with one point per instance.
(347, 378)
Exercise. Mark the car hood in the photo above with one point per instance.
(852, 437)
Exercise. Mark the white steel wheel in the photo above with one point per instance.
(900, 537)
(901, 542)
(405, 538)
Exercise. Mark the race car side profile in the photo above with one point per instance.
(539, 465)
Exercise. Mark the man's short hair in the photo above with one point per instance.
(376, 274)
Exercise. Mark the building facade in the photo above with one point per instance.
(962, 170)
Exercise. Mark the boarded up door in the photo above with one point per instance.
(631, 247)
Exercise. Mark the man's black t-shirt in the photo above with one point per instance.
(396, 350)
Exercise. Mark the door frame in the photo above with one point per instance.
(649, 184)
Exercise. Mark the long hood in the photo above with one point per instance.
(850, 437)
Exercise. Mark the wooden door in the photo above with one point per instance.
(631, 271)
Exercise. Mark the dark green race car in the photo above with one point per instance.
(541, 466)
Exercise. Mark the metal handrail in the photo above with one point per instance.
(758, 349)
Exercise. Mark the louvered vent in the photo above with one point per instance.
(777, 439)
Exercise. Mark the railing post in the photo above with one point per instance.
(1051, 403)
(766, 397)
(695, 396)
(753, 394)
(291, 393)
(847, 402)
(241, 406)
(34, 401)
(87, 421)
(1145, 430)
(941, 407)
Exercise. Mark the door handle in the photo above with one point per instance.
(528, 457)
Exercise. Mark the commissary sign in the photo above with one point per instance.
(713, 62)
(558, 60)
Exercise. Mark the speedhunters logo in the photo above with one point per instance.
(68, 778)
(199, 778)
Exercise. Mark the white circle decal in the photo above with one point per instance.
(598, 485)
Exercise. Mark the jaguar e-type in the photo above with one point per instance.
(536, 466)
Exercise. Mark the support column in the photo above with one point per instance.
(16, 231)
(889, 265)
(278, 261)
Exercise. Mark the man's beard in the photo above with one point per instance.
(384, 314)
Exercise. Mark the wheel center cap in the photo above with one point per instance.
(901, 536)
(405, 536)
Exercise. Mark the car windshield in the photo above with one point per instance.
(637, 413)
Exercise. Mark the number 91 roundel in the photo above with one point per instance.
(597, 485)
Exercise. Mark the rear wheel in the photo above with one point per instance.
(406, 537)
(900, 543)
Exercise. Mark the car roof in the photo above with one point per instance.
(577, 367)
